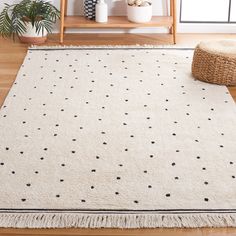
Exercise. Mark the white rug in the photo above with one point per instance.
(116, 138)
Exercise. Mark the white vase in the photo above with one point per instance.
(101, 12)
(139, 14)
(31, 36)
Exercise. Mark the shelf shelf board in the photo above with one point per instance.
(116, 22)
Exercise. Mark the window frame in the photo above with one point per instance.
(207, 22)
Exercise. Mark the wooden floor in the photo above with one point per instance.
(11, 58)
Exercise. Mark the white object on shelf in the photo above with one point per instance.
(139, 14)
(101, 12)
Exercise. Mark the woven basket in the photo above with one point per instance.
(214, 67)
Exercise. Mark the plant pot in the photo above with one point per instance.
(32, 37)
(139, 14)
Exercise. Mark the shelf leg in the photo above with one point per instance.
(65, 11)
(66, 7)
(174, 30)
(171, 14)
(62, 28)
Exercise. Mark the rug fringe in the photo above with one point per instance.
(129, 221)
(135, 46)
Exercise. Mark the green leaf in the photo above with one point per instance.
(40, 13)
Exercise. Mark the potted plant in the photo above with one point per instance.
(139, 11)
(30, 20)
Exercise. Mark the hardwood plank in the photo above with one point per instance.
(104, 232)
(116, 22)
(219, 232)
(232, 91)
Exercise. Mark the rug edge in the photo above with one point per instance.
(134, 46)
(125, 221)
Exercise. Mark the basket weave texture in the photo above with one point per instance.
(214, 67)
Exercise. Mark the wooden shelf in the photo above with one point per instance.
(116, 22)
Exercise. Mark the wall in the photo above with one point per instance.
(160, 7)
(116, 7)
